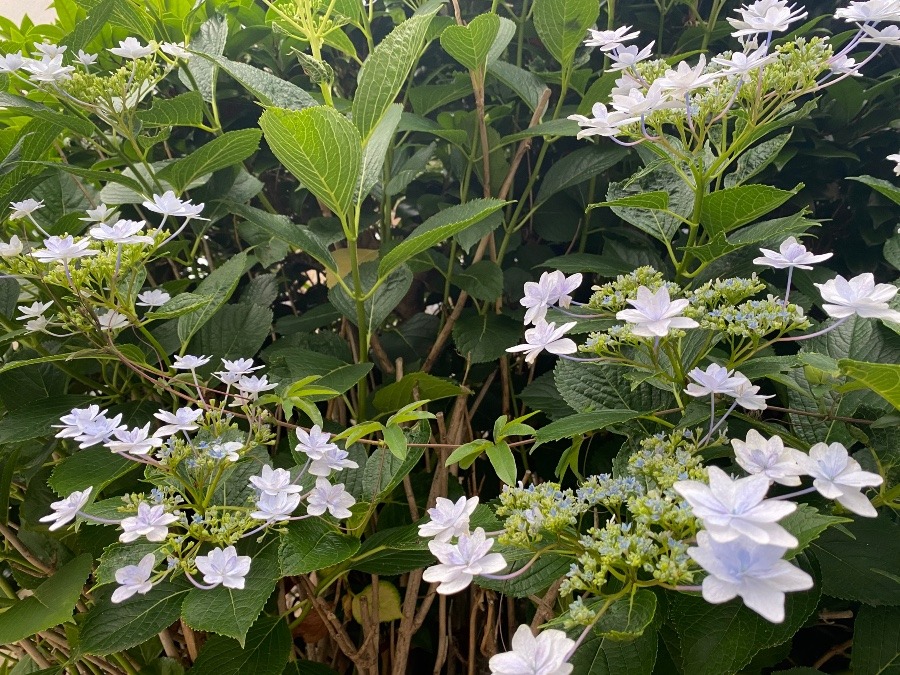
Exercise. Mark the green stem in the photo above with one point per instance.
(361, 324)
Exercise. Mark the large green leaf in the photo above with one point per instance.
(562, 26)
(182, 110)
(577, 167)
(601, 656)
(722, 639)
(398, 394)
(50, 604)
(86, 30)
(725, 210)
(269, 648)
(97, 467)
(385, 70)
(36, 418)
(281, 227)
(376, 150)
(859, 561)
(548, 568)
(392, 551)
(889, 190)
(270, 89)
(312, 544)
(233, 332)
(387, 296)
(110, 628)
(471, 44)
(882, 378)
(199, 74)
(226, 150)
(218, 287)
(658, 224)
(321, 148)
(441, 226)
(583, 423)
(530, 88)
(482, 280)
(876, 641)
(231, 612)
(484, 338)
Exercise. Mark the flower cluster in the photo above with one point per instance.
(742, 546)
(650, 94)
(113, 246)
(189, 457)
(462, 554)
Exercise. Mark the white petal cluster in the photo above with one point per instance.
(742, 546)
(655, 314)
(553, 288)
(461, 562)
(224, 566)
(546, 336)
(462, 554)
(859, 296)
(542, 654)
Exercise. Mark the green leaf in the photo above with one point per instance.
(627, 618)
(482, 280)
(876, 641)
(563, 24)
(720, 639)
(41, 112)
(441, 226)
(757, 158)
(218, 287)
(527, 86)
(312, 544)
(268, 88)
(806, 523)
(653, 201)
(185, 110)
(395, 550)
(37, 417)
(582, 423)
(226, 150)
(396, 441)
(282, 228)
(385, 70)
(725, 210)
(548, 568)
(321, 148)
(210, 40)
(233, 332)
(269, 643)
(383, 471)
(50, 604)
(398, 394)
(376, 150)
(467, 453)
(88, 28)
(378, 307)
(594, 388)
(485, 338)
(231, 612)
(884, 187)
(601, 656)
(504, 462)
(110, 628)
(560, 127)
(859, 561)
(657, 178)
(882, 378)
(471, 44)
(578, 167)
(603, 265)
(178, 305)
(93, 466)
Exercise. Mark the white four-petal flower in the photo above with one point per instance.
(544, 654)
(461, 562)
(836, 475)
(448, 519)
